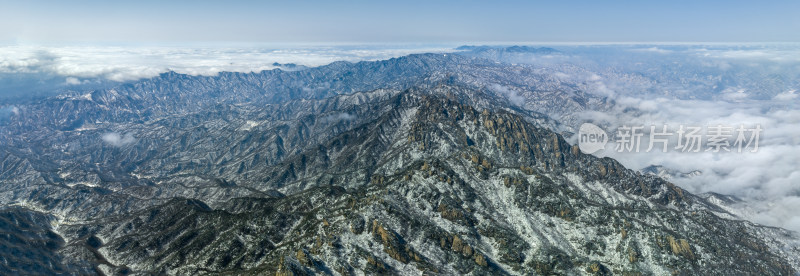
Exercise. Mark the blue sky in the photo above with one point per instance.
(398, 21)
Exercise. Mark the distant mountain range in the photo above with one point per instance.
(509, 49)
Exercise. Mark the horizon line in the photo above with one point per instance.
(376, 43)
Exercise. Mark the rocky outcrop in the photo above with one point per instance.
(394, 245)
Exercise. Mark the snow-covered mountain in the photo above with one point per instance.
(426, 164)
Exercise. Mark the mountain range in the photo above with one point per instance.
(437, 164)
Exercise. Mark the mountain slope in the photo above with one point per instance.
(403, 166)
(435, 185)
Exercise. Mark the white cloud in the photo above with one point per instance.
(117, 140)
(513, 96)
(562, 75)
(773, 53)
(768, 179)
(654, 50)
(786, 96)
(734, 94)
(72, 81)
(337, 117)
(7, 111)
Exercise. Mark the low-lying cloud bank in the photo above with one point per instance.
(118, 140)
(703, 87)
(769, 179)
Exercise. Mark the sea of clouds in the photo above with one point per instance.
(706, 87)
(75, 65)
(768, 179)
(34, 70)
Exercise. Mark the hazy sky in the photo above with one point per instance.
(398, 21)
